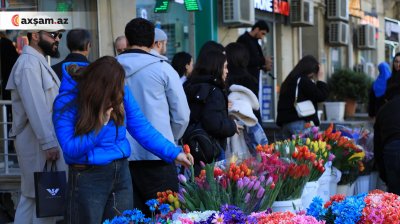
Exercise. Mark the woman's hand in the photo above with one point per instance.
(184, 159)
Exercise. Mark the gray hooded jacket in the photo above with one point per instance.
(158, 90)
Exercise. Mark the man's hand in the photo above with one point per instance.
(184, 159)
(53, 153)
(268, 63)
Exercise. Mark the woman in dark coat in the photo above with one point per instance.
(206, 94)
(309, 72)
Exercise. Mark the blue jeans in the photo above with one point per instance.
(97, 192)
(391, 160)
(292, 128)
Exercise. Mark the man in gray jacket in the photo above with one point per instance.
(34, 86)
(159, 93)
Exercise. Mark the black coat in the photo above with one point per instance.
(386, 130)
(209, 104)
(9, 56)
(257, 59)
(72, 57)
(308, 90)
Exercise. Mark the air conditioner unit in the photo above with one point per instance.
(366, 37)
(302, 13)
(338, 33)
(238, 13)
(337, 10)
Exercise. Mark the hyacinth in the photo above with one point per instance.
(381, 207)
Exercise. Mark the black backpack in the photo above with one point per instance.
(203, 147)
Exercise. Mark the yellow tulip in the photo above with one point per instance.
(359, 155)
(308, 141)
(177, 204)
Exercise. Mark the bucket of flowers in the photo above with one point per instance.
(245, 185)
(348, 155)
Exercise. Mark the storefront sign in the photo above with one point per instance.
(192, 5)
(161, 6)
(273, 6)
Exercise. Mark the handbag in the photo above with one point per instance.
(50, 191)
(303, 108)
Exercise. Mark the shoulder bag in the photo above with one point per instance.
(303, 108)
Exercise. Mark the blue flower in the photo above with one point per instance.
(349, 210)
(315, 209)
(164, 209)
(120, 220)
(152, 203)
(135, 215)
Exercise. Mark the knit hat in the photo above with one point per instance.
(159, 35)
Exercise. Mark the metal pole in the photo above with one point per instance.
(5, 137)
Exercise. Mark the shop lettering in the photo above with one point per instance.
(275, 6)
(264, 5)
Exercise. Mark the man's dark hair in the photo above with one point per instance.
(140, 32)
(261, 24)
(78, 39)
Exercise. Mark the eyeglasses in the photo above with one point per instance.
(54, 35)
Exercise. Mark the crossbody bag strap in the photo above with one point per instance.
(297, 90)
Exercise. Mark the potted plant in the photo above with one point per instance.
(349, 86)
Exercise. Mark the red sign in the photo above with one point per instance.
(281, 7)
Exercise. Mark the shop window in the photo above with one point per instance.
(175, 23)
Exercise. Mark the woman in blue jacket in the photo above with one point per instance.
(91, 115)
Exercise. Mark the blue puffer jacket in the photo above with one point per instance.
(110, 142)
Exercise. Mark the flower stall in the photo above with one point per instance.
(254, 190)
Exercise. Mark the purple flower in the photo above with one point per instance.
(247, 198)
(260, 193)
(251, 184)
(256, 185)
(181, 198)
(240, 183)
(246, 181)
(314, 130)
(269, 180)
(331, 157)
(182, 178)
(202, 164)
(262, 178)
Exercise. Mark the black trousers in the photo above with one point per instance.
(150, 177)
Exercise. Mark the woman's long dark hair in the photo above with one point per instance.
(211, 63)
(307, 65)
(100, 86)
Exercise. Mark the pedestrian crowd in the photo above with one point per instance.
(117, 124)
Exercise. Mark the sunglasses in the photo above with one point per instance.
(54, 35)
